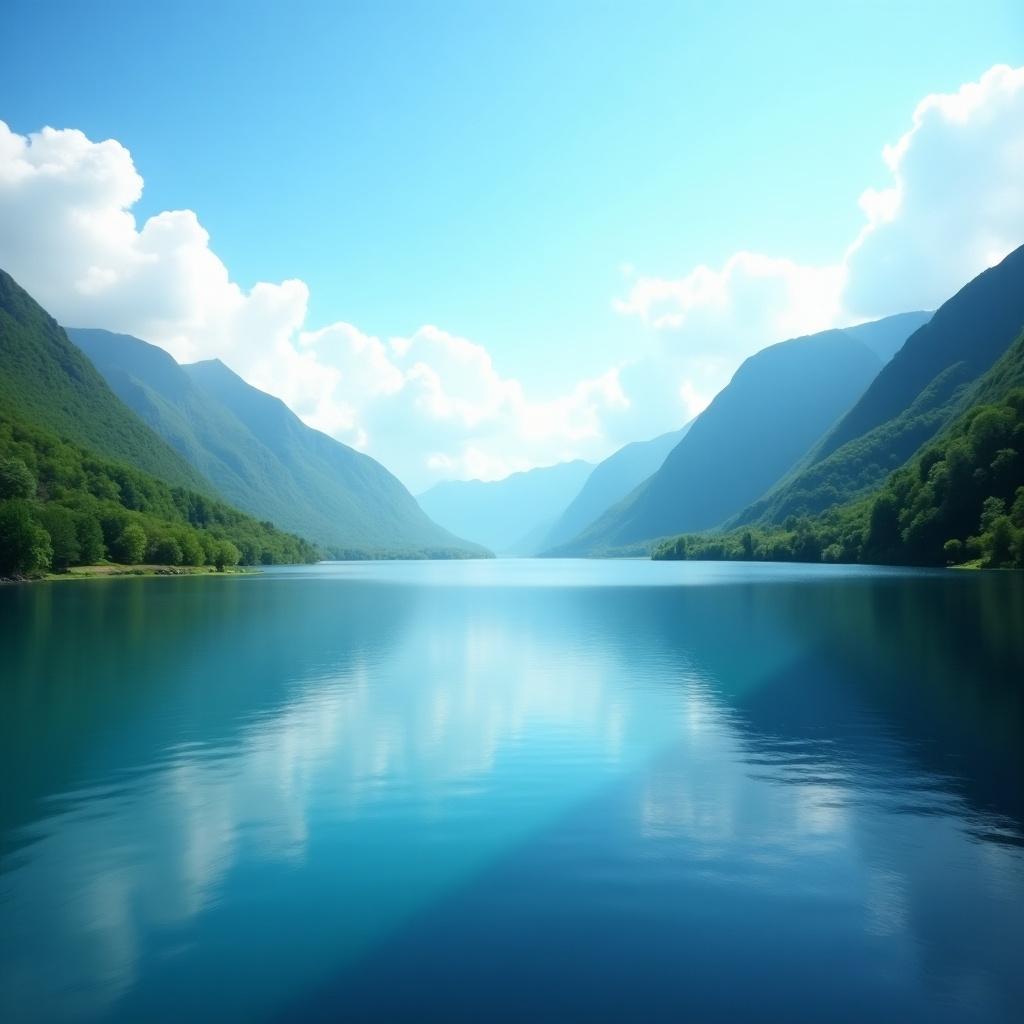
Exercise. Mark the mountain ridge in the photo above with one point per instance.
(259, 454)
(777, 404)
(913, 397)
(506, 514)
(48, 382)
(609, 482)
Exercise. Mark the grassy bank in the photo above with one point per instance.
(108, 570)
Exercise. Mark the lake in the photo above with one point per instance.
(514, 791)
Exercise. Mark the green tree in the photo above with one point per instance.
(16, 479)
(991, 509)
(989, 431)
(998, 543)
(130, 546)
(165, 551)
(191, 549)
(226, 554)
(1017, 512)
(953, 549)
(883, 536)
(59, 523)
(24, 545)
(90, 539)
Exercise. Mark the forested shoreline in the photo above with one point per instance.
(960, 500)
(62, 506)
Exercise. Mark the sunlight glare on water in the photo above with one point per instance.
(514, 790)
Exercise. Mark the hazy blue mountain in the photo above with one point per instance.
(610, 482)
(45, 381)
(506, 515)
(531, 543)
(886, 337)
(263, 458)
(959, 498)
(778, 403)
(916, 395)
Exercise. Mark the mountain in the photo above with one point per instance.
(910, 401)
(960, 498)
(508, 515)
(62, 505)
(887, 336)
(778, 403)
(610, 482)
(263, 458)
(83, 479)
(48, 382)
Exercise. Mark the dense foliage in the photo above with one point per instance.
(960, 499)
(47, 381)
(62, 506)
(263, 459)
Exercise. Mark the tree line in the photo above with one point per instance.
(62, 506)
(960, 500)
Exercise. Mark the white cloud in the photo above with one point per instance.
(750, 291)
(433, 404)
(444, 394)
(713, 319)
(426, 405)
(954, 206)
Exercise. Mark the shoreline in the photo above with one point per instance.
(112, 570)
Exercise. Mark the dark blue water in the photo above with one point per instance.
(514, 791)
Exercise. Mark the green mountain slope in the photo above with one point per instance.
(46, 381)
(960, 498)
(340, 497)
(262, 458)
(609, 482)
(509, 515)
(776, 406)
(916, 394)
(83, 479)
(61, 505)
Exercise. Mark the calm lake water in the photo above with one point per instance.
(514, 791)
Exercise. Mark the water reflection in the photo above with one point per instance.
(272, 795)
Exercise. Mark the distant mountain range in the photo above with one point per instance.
(608, 483)
(837, 446)
(264, 459)
(778, 403)
(927, 468)
(913, 398)
(509, 516)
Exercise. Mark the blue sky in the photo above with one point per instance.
(491, 167)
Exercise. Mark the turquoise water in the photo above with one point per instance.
(512, 791)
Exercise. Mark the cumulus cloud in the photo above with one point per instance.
(954, 206)
(433, 404)
(714, 319)
(69, 237)
(428, 405)
(444, 394)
